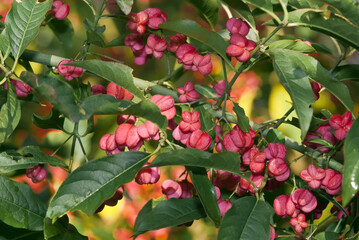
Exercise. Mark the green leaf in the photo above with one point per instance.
(23, 23)
(206, 121)
(318, 73)
(170, 212)
(19, 206)
(125, 5)
(350, 185)
(335, 26)
(208, 10)
(243, 10)
(347, 8)
(242, 119)
(9, 164)
(10, 114)
(321, 141)
(305, 4)
(327, 236)
(296, 82)
(226, 161)
(61, 229)
(206, 193)
(7, 232)
(4, 44)
(59, 93)
(205, 91)
(54, 120)
(119, 41)
(264, 5)
(292, 45)
(106, 104)
(348, 72)
(191, 29)
(248, 219)
(275, 136)
(113, 72)
(90, 185)
(63, 31)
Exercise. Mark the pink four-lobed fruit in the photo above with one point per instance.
(60, 10)
(199, 140)
(148, 175)
(69, 72)
(118, 92)
(313, 176)
(166, 104)
(36, 174)
(188, 93)
(341, 124)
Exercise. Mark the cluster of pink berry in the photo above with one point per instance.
(155, 45)
(60, 10)
(174, 189)
(36, 173)
(69, 72)
(333, 131)
(294, 205)
(22, 89)
(328, 179)
(239, 46)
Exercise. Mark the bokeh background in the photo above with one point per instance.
(258, 91)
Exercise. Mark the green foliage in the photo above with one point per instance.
(19, 206)
(243, 10)
(251, 217)
(208, 10)
(61, 229)
(125, 5)
(242, 119)
(99, 180)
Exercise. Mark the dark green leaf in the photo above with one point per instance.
(347, 8)
(120, 41)
(305, 4)
(191, 29)
(170, 212)
(275, 136)
(7, 232)
(208, 10)
(242, 119)
(292, 45)
(8, 163)
(248, 219)
(52, 121)
(90, 185)
(227, 161)
(4, 44)
(10, 114)
(327, 236)
(206, 193)
(64, 31)
(318, 73)
(296, 82)
(61, 229)
(243, 10)
(206, 121)
(264, 5)
(350, 185)
(205, 91)
(23, 23)
(19, 206)
(59, 93)
(125, 5)
(113, 72)
(335, 26)
(348, 72)
(95, 38)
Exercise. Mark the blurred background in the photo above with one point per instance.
(258, 91)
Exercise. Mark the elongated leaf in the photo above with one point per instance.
(19, 206)
(264, 5)
(317, 72)
(64, 31)
(304, 4)
(59, 93)
(10, 114)
(191, 29)
(292, 45)
(52, 121)
(125, 5)
(205, 90)
(242, 10)
(91, 184)
(275, 136)
(206, 121)
(350, 185)
(348, 72)
(335, 26)
(8, 163)
(347, 8)
(8, 232)
(4, 43)
(327, 236)
(23, 23)
(168, 213)
(208, 10)
(248, 219)
(206, 193)
(296, 82)
(242, 119)
(227, 161)
(61, 229)
(113, 72)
